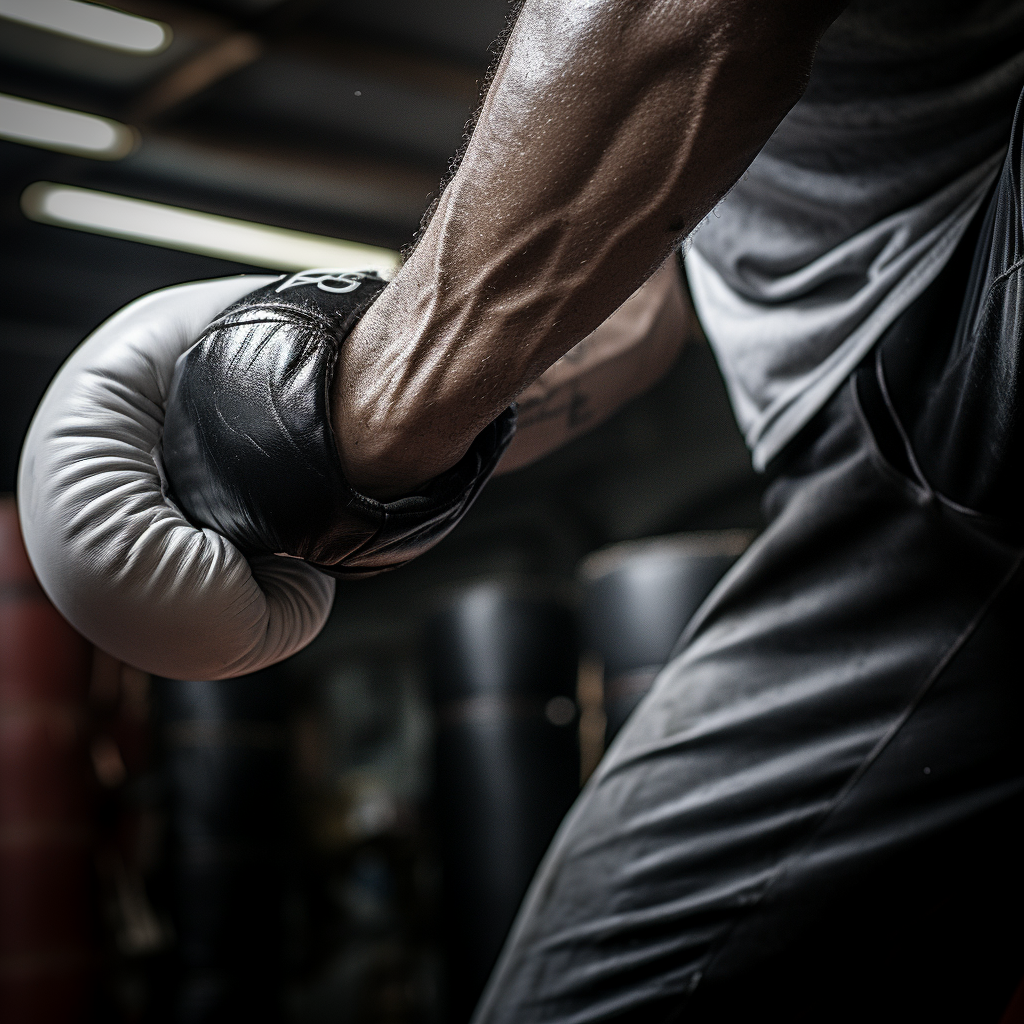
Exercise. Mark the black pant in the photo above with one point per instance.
(817, 814)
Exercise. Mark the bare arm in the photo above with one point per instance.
(621, 359)
(610, 129)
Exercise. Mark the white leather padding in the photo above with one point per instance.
(119, 561)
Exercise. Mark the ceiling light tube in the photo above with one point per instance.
(173, 227)
(90, 23)
(68, 131)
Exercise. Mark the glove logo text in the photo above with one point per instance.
(327, 279)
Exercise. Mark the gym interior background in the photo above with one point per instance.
(343, 838)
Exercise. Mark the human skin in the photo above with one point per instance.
(619, 360)
(610, 129)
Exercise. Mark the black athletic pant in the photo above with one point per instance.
(817, 814)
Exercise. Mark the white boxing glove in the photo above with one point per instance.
(117, 558)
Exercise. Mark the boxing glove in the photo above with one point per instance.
(248, 448)
(112, 552)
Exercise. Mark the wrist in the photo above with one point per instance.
(392, 435)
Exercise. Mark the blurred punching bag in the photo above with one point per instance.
(503, 669)
(226, 759)
(638, 597)
(47, 937)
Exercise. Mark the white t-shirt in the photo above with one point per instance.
(856, 202)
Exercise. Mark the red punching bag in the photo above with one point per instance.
(46, 869)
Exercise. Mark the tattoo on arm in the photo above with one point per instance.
(574, 408)
(570, 401)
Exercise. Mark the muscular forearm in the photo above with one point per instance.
(621, 359)
(610, 129)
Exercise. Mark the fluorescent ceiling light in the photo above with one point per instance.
(39, 124)
(90, 23)
(191, 231)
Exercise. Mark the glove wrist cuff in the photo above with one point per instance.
(249, 450)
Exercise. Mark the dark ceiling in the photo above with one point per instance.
(339, 117)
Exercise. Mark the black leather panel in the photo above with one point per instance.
(248, 448)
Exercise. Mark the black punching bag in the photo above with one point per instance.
(637, 599)
(503, 666)
(227, 772)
